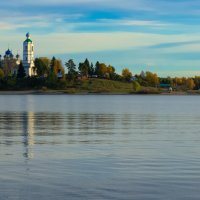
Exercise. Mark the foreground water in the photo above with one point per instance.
(99, 147)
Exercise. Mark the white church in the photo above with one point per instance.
(28, 56)
(10, 63)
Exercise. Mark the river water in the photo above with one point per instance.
(99, 147)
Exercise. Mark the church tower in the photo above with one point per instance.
(28, 56)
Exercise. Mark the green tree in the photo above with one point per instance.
(52, 64)
(91, 70)
(126, 74)
(42, 66)
(84, 68)
(21, 72)
(71, 66)
(97, 68)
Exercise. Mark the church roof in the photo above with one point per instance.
(28, 40)
(9, 53)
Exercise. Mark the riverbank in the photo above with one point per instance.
(65, 92)
(97, 87)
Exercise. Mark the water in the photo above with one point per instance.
(99, 147)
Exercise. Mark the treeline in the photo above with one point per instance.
(51, 74)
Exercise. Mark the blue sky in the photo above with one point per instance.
(157, 35)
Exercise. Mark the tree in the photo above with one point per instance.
(56, 67)
(126, 74)
(42, 68)
(152, 79)
(97, 68)
(91, 70)
(84, 68)
(21, 72)
(71, 66)
(111, 71)
(87, 63)
(1, 73)
(190, 84)
(136, 86)
(197, 82)
(100, 69)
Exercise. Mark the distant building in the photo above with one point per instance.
(165, 85)
(28, 56)
(133, 78)
(143, 74)
(9, 63)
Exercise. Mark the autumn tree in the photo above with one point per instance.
(126, 74)
(152, 79)
(56, 67)
(111, 71)
(190, 83)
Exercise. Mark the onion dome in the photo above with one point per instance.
(8, 52)
(17, 56)
(28, 38)
(28, 35)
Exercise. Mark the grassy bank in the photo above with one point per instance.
(103, 86)
(97, 86)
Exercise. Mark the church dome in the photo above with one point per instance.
(17, 56)
(8, 52)
(28, 38)
(28, 35)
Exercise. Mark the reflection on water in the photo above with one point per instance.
(28, 131)
(53, 147)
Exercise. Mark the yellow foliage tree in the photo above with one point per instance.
(152, 78)
(190, 83)
(126, 74)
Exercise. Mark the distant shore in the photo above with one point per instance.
(62, 92)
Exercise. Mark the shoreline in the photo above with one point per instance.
(60, 92)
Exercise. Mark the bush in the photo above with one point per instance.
(136, 86)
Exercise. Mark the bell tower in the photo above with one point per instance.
(28, 56)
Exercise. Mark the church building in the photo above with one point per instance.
(28, 56)
(10, 63)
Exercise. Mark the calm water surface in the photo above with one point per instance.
(99, 147)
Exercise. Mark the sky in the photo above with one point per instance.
(162, 36)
